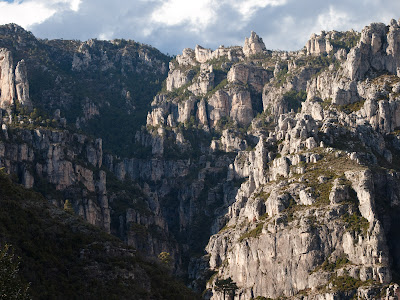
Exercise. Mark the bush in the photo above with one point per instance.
(294, 99)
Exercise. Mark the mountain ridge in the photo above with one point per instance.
(277, 170)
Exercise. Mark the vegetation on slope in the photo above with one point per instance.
(65, 258)
(119, 79)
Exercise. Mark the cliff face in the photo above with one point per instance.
(48, 160)
(13, 82)
(89, 83)
(309, 214)
(59, 250)
(281, 167)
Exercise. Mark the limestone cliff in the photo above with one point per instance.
(14, 84)
(275, 171)
(307, 215)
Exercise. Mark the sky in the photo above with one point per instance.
(172, 25)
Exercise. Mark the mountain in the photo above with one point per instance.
(79, 79)
(63, 257)
(264, 174)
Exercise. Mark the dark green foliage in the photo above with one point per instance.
(332, 266)
(219, 77)
(346, 40)
(322, 61)
(318, 64)
(182, 93)
(226, 286)
(197, 138)
(55, 84)
(293, 99)
(281, 76)
(11, 284)
(65, 258)
(252, 233)
(356, 223)
(115, 124)
(226, 123)
(347, 140)
(352, 107)
(219, 86)
(346, 283)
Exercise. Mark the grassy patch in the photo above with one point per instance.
(346, 283)
(294, 99)
(346, 40)
(261, 195)
(352, 107)
(356, 223)
(218, 87)
(65, 258)
(252, 233)
(280, 78)
(331, 266)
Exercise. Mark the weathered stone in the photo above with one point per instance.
(7, 83)
(253, 45)
(22, 85)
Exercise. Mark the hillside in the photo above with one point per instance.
(265, 174)
(63, 257)
(101, 87)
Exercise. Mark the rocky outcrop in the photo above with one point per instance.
(275, 241)
(202, 54)
(304, 209)
(204, 82)
(253, 45)
(14, 84)
(45, 159)
(241, 107)
(232, 53)
(320, 44)
(282, 165)
(377, 50)
(235, 104)
(7, 90)
(247, 74)
(22, 85)
(186, 58)
(177, 78)
(218, 107)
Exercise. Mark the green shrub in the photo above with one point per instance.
(356, 223)
(252, 233)
(293, 99)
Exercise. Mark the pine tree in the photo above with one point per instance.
(226, 286)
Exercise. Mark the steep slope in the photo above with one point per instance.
(103, 87)
(315, 216)
(65, 258)
(265, 174)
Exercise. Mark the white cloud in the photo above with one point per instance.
(27, 13)
(332, 19)
(106, 35)
(75, 5)
(24, 13)
(172, 25)
(248, 8)
(199, 13)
